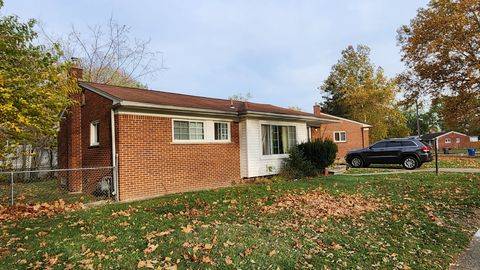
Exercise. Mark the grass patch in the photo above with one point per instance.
(41, 191)
(414, 224)
(455, 162)
(443, 162)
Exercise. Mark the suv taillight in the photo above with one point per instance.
(425, 149)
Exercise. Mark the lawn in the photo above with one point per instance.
(40, 191)
(413, 221)
(443, 162)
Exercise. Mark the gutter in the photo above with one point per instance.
(287, 116)
(114, 155)
(141, 105)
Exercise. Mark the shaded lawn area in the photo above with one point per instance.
(443, 162)
(40, 191)
(419, 224)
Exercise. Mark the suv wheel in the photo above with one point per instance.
(410, 163)
(356, 162)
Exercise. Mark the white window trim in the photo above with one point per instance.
(340, 141)
(94, 132)
(275, 156)
(189, 141)
(448, 140)
(228, 131)
(208, 130)
(458, 140)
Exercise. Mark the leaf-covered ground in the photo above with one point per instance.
(443, 162)
(412, 221)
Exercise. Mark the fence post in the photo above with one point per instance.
(11, 189)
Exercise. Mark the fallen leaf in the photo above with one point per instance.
(228, 261)
(150, 248)
(188, 229)
(273, 252)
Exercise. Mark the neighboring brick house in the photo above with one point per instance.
(451, 139)
(346, 133)
(169, 143)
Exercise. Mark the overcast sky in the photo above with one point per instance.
(279, 51)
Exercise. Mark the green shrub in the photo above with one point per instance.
(321, 153)
(297, 165)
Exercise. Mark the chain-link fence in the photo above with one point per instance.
(70, 185)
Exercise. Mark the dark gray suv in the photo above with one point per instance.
(409, 152)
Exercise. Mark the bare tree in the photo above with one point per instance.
(108, 54)
(295, 108)
(241, 97)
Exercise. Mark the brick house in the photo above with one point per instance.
(346, 133)
(451, 139)
(169, 143)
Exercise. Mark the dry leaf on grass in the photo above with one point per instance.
(228, 261)
(321, 204)
(150, 248)
(20, 211)
(146, 264)
(187, 229)
(106, 239)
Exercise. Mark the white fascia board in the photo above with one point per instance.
(286, 116)
(348, 120)
(451, 132)
(100, 92)
(141, 105)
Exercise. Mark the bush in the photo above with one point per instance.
(297, 165)
(321, 153)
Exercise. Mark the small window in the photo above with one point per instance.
(457, 140)
(379, 145)
(448, 140)
(340, 136)
(221, 131)
(394, 144)
(187, 130)
(94, 133)
(408, 143)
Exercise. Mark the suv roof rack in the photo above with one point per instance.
(404, 138)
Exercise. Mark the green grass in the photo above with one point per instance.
(400, 233)
(443, 162)
(40, 192)
(455, 162)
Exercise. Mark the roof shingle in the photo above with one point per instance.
(189, 101)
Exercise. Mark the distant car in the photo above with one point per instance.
(409, 152)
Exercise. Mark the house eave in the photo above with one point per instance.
(114, 99)
(172, 109)
(349, 120)
(311, 120)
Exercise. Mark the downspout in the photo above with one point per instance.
(114, 155)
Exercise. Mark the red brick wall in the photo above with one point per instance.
(151, 165)
(96, 108)
(74, 149)
(464, 141)
(69, 146)
(355, 140)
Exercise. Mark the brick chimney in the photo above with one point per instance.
(70, 137)
(76, 71)
(316, 109)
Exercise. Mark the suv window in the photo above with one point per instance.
(408, 143)
(394, 144)
(379, 145)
